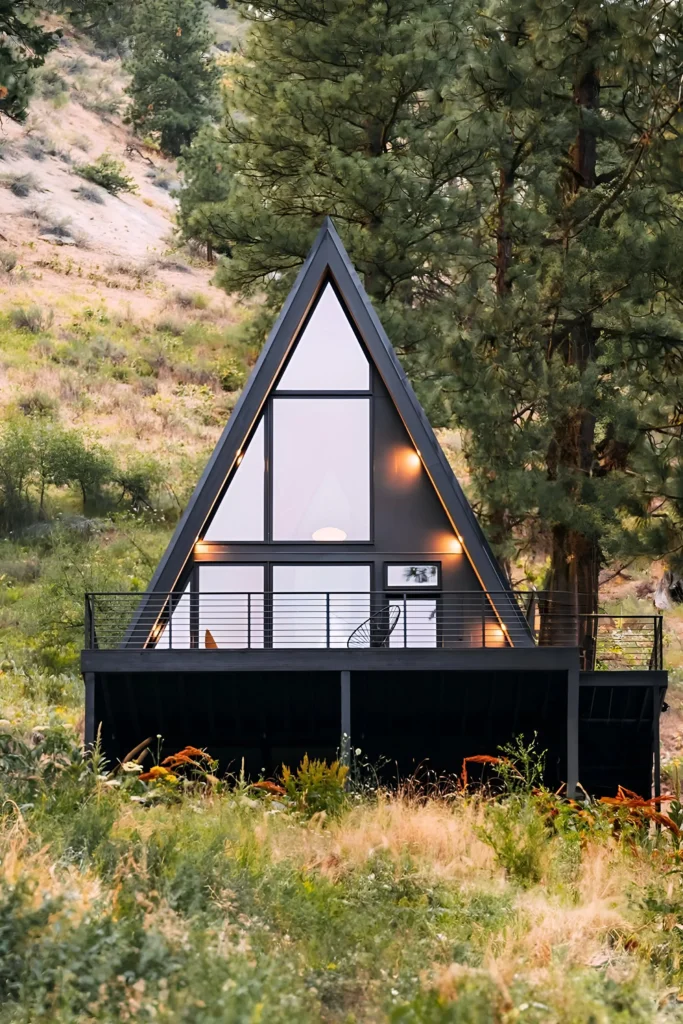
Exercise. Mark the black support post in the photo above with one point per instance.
(89, 680)
(345, 750)
(572, 731)
(656, 767)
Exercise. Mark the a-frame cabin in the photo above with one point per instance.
(330, 585)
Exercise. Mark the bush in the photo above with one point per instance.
(109, 173)
(8, 260)
(231, 375)
(52, 86)
(31, 318)
(34, 147)
(89, 194)
(316, 786)
(23, 185)
(190, 300)
(38, 403)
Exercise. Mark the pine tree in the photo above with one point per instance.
(174, 77)
(337, 108)
(566, 343)
(205, 184)
(24, 44)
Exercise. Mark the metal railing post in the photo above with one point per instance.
(405, 621)
(89, 622)
(170, 622)
(327, 619)
(483, 619)
(249, 620)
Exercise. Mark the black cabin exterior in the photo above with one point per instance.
(329, 585)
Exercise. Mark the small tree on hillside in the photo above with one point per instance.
(174, 77)
(24, 45)
(205, 183)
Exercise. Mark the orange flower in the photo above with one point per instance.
(186, 756)
(270, 787)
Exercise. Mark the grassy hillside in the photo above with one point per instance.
(110, 332)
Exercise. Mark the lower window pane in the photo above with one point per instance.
(176, 633)
(303, 616)
(416, 626)
(231, 606)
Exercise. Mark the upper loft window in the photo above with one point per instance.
(321, 469)
(328, 355)
(240, 514)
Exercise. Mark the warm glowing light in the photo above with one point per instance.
(329, 533)
(413, 460)
(239, 458)
(455, 546)
(498, 634)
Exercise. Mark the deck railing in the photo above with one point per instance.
(454, 620)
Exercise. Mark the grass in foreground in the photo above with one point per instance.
(169, 896)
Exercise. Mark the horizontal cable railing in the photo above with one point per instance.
(377, 620)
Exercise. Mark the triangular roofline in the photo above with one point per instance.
(329, 259)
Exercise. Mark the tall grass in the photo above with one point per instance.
(202, 901)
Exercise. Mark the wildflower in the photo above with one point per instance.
(270, 787)
(131, 767)
(157, 772)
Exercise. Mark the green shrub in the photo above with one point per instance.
(38, 403)
(190, 300)
(31, 318)
(8, 260)
(139, 479)
(231, 374)
(109, 173)
(316, 786)
(518, 835)
(22, 185)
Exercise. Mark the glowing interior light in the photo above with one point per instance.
(456, 546)
(498, 634)
(239, 458)
(329, 533)
(413, 460)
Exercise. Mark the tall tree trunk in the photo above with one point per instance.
(503, 237)
(575, 557)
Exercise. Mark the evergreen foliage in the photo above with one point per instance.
(205, 184)
(566, 343)
(174, 77)
(506, 180)
(337, 108)
(24, 44)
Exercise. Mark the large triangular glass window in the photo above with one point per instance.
(328, 355)
(240, 514)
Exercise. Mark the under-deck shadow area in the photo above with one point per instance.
(411, 723)
(259, 719)
(424, 724)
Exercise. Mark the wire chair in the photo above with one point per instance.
(376, 630)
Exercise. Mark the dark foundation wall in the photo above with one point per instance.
(415, 720)
(427, 722)
(616, 738)
(267, 718)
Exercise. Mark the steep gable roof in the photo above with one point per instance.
(329, 260)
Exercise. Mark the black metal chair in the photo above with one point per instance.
(376, 630)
